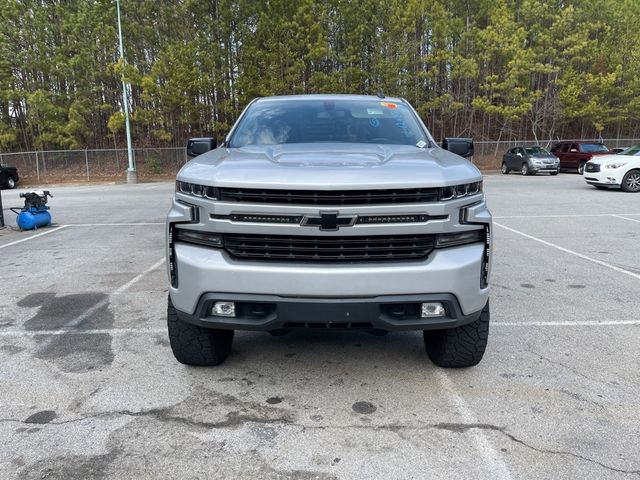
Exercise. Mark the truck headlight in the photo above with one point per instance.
(459, 191)
(197, 190)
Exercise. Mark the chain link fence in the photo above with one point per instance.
(54, 166)
(42, 167)
(488, 154)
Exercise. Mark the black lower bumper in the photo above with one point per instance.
(598, 183)
(270, 312)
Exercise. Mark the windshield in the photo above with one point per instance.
(274, 122)
(537, 151)
(634, 151)
(593, 147)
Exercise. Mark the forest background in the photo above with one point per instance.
(489, 69)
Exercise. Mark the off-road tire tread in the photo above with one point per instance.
(459, 347)
(193, 345)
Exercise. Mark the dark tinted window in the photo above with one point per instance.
(274, 122)
(537, 151)
(593, 148)
(634, 151)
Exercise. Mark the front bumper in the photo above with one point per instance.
(545, 168)
(455, 271)
(605, 177)
(271, 312)
(452, 275)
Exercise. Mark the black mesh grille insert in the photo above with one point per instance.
(329, 197)
(307, 248)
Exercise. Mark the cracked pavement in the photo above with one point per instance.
(99, 395)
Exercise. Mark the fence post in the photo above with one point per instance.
(86, 161)
(37, 167)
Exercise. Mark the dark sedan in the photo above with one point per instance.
(530, 160)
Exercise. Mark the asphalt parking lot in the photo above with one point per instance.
(90, 389)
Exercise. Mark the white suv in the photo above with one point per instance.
(615, 171)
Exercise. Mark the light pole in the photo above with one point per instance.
(132, 176)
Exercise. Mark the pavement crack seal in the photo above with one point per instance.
(578, 374)
(464, 427)
(567, 453)
(236, 420)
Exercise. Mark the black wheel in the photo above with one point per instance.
(461, 346)
(193, 345)
(524, 169)
(631, 181)
(11, 183)
(581, 168)
(504, 169)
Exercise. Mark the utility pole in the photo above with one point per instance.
(132, 176)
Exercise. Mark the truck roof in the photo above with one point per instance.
(331, 96)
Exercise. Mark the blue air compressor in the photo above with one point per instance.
(35, 213)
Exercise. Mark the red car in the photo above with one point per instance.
(575, 154)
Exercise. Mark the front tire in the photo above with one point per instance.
(193, 345)
(504, 169)
(11, 183)
(459, 347)
(581, 168)
(524, 169)
(631, 181)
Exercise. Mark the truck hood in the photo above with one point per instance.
(327, 166)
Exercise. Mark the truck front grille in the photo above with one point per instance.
(329, 197)
(592, 167)
(307, 248)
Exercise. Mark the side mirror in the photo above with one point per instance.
(198, 146)
(459, 146)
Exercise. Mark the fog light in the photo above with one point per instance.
(224, 309)
(432, 309)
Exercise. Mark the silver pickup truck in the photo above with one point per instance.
(329, 211)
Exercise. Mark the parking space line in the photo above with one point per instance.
(68, 331)
(494, 463)
(577, 215)
(112, 224)
(566, 250)
(33, 236)
(625, 218)
(568, 323)
(74, 322)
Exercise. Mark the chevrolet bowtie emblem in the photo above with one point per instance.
(329, 221)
